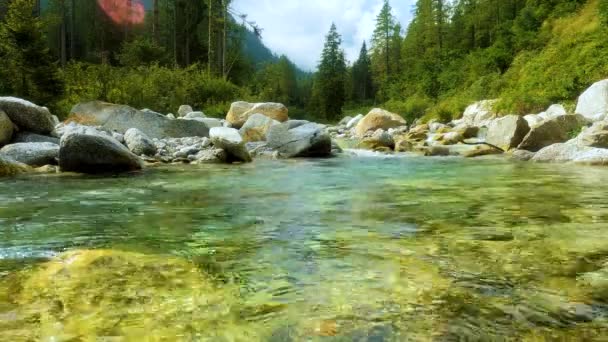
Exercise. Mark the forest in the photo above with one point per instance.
(160, 54)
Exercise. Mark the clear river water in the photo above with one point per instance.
(364, 248)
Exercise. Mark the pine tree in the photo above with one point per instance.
(362, 77)
(329, 85)
(382, 44)
(29, 67)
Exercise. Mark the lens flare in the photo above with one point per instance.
(124, 11)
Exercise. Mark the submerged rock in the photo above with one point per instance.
(552, 131)
(6, 129)
(522, 155)
(27, 116)
(93, 152)
(121, 118)
(507, 132)
(482, 150)
(125, 294)
(241, 111)
(230, 141)
(298, 138)
(593, 103)
(139, 143)
(378, 119)
(33, 154)
(9, 167)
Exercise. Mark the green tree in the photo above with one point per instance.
(381, 47)
(362, 86)
(330, 78)
(28, 67)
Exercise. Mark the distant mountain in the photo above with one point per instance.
(257, 52)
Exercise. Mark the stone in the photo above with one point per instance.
(121, 118)
(380, 140)
(378, 119)
(595, 136)
(479, 113)
(193, 115)
(573, 152)
(298, 138)
(139, 143)
(593, 103)
(6, 129)
(230, 141)
(241, 111)
(211, 122)
(507, 132)
(256, 128)
(32, 154)
(467, 131)
(29, 137)
(435, 127)
(184, 110)
(552, 131)
(119, 137)
(9, 167)
(27, 116)
(451, 138)
(522, 155)
(354, 121)
(404, 145)
(436, 151)
(533, 119)
(481, 150)
(210, 156)
(344, 121)
(171, 116)
(91, 151)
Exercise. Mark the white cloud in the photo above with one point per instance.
(297, 28)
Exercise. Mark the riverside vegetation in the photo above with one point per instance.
(200, 218)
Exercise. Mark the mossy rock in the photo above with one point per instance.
(11, 168)
(102, 293)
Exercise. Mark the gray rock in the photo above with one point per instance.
(139, 143)
(479, 113)
(299, 139)
(593, 103)
(571, 151)
(354, 121)
(345, 121)
(436, 151)
(9, 167)
(552, 131)
(28, 137)
(119, 137)
(380, 140)
(94, 152)
(241, 111)
(27, 116)
(230, 141)
(507, 132)
(184, 110)
(212, 122)
(171, 116)
(194, 115)
(256, 127)
(33, 154)
(595, 136)
(120, 118)
(6, 129)
(522, 155)
(210, 156)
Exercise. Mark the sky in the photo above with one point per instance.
(297, 28)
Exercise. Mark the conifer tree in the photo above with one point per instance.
(331, 76)
(362, 76)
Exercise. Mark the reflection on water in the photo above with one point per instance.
(347, 249)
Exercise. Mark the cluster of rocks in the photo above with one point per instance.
(101, 137)
(555, 135)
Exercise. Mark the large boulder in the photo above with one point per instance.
(139, 143)
(571, 151)
(115, 293)
(29, 137)
(479, 113)
(9, 167)
(6, 129)
(507, 132)
(91, 151)
(298, 138)
(33, 154)
(552, 131)
(27, 116)
(593, 103)
(378, 119)
(241, 111)
(379, 141)
(120, 118)
(595, 136)
(230, 141)
(256, 128)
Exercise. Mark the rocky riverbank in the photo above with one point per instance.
(102, 137)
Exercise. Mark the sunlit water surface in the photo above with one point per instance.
(344, 249)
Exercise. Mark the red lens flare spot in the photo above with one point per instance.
(124, 11)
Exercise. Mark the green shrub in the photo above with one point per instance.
(411, 109)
